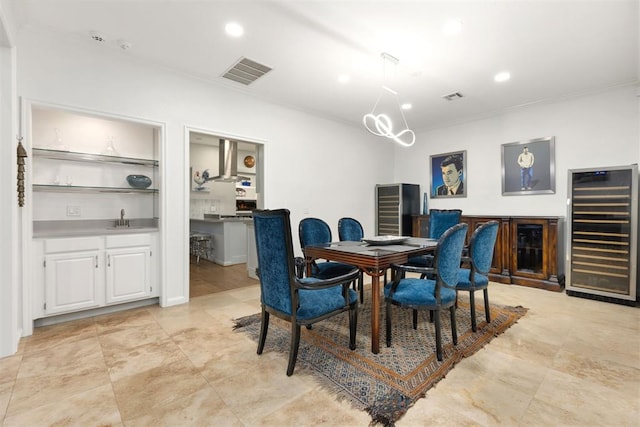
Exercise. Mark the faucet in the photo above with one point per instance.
(122, 222)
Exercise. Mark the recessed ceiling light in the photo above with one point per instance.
(343, 78)
(502, 76)
(234, 29)
(452, 27)
(406, 106)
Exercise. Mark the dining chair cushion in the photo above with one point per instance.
(418, 292)
(315, 303)
(464, 280)
(330, 269)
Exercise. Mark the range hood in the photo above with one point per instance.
(228, 162)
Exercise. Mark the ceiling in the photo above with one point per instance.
(552, 49)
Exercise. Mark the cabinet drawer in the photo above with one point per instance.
(72, 244)
(128, 240)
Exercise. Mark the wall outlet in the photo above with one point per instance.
(73, 210)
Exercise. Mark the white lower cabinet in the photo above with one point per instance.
(90, 272)
(72, 281)
(128, 274)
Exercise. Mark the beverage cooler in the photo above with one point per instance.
(395, 206)
(602, 255)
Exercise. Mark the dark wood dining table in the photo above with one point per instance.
(373, 260)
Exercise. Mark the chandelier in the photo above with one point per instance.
(380, 123)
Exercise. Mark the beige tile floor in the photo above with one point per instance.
(569, 361)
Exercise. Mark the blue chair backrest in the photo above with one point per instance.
(275, 257)
(440, 220)
(350, 229)
(481, 246)
(449, 253)
(313, 231)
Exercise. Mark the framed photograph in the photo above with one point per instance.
(529, 167)
(448, 175)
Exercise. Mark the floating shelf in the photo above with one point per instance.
(88, 157)
(88, 189)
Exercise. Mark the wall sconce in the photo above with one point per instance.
(22, 155)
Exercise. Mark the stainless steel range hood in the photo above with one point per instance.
(228, 162)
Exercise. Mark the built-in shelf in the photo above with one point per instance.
(89, 157)
(88, 189)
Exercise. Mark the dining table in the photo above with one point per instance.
(373, 257)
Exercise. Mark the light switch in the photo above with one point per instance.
(73, 210)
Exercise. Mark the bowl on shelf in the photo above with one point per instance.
(139, 181)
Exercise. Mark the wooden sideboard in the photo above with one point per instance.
(526, 252)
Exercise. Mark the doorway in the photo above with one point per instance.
(220, 202)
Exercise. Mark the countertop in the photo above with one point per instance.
(78, 228)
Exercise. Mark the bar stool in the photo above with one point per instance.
(200, 245)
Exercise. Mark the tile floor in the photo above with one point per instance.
(569, 361)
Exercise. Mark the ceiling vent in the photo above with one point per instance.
(246, 71)
(452, 96)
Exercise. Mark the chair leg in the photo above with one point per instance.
(293, 350)
(431, 316)
(438, 336)
(353, 326)
(454, 326)
(264, 326)
(415, 319)
(361, 286)
(487, 312)
(472, 302)
(388, 323)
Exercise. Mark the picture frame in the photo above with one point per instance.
(450, 167)
(199, 183)
(540, 178)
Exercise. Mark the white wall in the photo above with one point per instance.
(10, 247)
(313, 166)
(597, 130)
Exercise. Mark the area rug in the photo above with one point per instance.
(387, 384)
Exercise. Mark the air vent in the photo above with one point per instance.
(452, 96)
(246, 71)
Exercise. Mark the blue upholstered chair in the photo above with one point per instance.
(427, 294)
(476, 277)
(440, 220)
(314, 231)
(301, 301)
(350, 229)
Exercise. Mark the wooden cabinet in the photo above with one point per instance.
(526, 251)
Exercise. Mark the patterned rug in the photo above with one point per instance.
(387, 384)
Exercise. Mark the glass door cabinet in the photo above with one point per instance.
(603, 233)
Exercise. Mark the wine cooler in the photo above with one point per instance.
(602, 255)
(395, 206)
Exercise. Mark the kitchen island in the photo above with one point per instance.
(228, 236)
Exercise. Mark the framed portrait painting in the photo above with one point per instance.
(448, 175)
(529, 167)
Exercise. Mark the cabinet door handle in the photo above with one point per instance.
(108, 260)
(96, 261)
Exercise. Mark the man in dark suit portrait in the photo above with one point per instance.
(451, 176)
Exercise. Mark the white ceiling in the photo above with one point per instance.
(553, 49)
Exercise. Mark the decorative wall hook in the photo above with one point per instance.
(22, 155)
